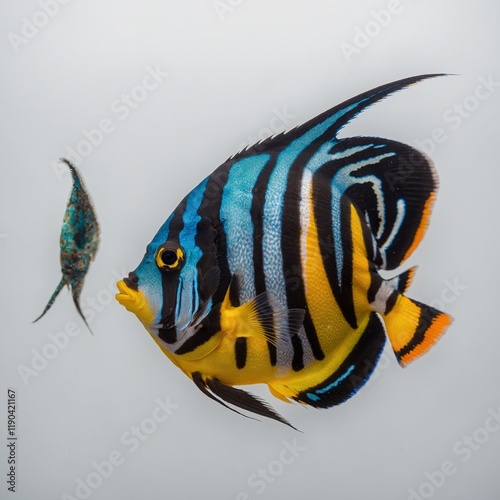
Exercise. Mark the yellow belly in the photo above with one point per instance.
(336, 336)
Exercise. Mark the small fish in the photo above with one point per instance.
(268, 271)
(79, 241)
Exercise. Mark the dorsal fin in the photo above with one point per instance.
(330, 122)
(393, 186)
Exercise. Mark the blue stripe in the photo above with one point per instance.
(190, 217)
(331, 386)
(321, 157)
(150, 276)
(193, 253)
(161, 236)
(342, 181)
(274, 201)
(235, 214)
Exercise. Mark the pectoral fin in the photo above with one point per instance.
(261, 317)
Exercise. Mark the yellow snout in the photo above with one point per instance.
(135, 302)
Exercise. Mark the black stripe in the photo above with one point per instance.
(234, 291)
(346, 291)
(322, 195)
(210, 327)
(169, 281)
(214, 245)
(290, 246)
(407, 176)
(177, 222)
(373, 288)
(298, 354)
(211, 240)
(427, 316)
(364, 357)
(168, 335)
(391, 301)
(403, 280)
(256, 212)
(240, 352)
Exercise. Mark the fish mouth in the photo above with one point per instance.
(135, 302)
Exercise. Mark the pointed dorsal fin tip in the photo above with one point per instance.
(360, 102)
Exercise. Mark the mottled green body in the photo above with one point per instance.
(79, 241)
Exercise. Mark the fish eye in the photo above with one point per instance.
(169, 257)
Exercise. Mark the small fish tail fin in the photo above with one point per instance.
(52, 299)
(413, 328)
(76, 301)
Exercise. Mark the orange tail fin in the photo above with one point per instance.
(413, 328)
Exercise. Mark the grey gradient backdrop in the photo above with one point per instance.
(233, 74)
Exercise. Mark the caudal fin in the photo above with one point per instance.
(52, 299)
(413, 328)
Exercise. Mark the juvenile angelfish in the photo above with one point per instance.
(268, 271)
(79, 241)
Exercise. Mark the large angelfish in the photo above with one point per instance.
(268, 271)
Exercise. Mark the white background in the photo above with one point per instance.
(229, 71)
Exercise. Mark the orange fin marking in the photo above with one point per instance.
(424, 223)
(413, 328)
(437, 328)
